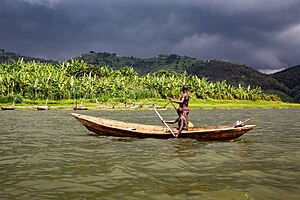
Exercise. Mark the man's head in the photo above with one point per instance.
(179, 111)
(185, 88)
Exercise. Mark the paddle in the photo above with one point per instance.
(164, 122)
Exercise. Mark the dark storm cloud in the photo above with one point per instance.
(262, 34)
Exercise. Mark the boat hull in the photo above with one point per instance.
(7, 107)
(106, 127)
(42, 107)
(80, 108)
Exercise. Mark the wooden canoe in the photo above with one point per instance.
(42, 107)
(80, 108)
(7, 107)
(108, 127)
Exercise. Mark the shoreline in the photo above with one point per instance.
(158, 103)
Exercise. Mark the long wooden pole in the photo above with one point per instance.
(173, 105)
(247, 120)
(167, 104)
(164, 122)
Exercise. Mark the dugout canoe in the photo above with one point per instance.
(108, 127)
(7, 107)
(80, 108)
(42, 107)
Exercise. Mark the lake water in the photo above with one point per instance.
(50, 155)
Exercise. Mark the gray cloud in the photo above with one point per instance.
(261, 34)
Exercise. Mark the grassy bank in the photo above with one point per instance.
(148, 103)
(232, 104)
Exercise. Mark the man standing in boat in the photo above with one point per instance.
(183, 102)
(182, 122)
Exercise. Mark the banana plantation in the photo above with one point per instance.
(79, 80)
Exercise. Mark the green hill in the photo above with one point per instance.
(290, 78)
(170, 62)
(234, 74)
(285, 84)
(9, 57)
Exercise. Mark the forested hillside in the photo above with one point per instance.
(285, 84)
(215, 71)
(171, 63)
(236, 74)
(291, 79)
(10, 57)
(79, 80)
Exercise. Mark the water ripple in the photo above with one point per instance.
(49, 155)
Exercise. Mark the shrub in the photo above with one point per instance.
(11, 99)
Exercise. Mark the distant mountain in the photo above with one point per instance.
(170, 62)
(285, 83)
(290, 78)
(9, 57)
(234, 74)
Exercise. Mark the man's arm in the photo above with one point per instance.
(182, 99)
(172, 121)
(179, 101)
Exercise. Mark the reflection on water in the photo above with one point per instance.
(49, 155)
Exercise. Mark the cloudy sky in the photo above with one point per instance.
(261, 34)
